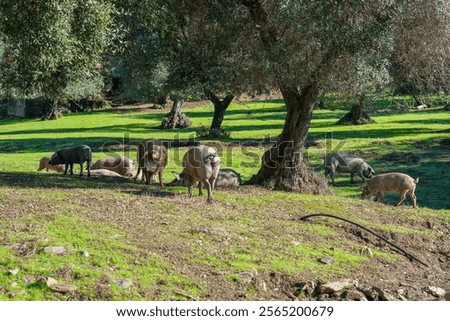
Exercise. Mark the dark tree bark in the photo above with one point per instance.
(357, 116)
(220, 106)
(283, 166)
(176, 119)
(53, 111)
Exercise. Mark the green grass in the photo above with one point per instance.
(246, 231)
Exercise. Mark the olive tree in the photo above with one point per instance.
(50, 44)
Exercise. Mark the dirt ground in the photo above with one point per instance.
(141, 216)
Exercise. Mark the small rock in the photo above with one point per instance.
(436, 291)
(29, 279)
(326, 260)
(51, 281)
(304, 288)
(14, 271)
(13, 294)
(401, 291)
(447, 296)
(296, 243)
(124, 283)
(85, 253)
(370, 293)
(354, 295)
(383, 295)
(264, 286)
(14, 284)
(246, 275)
(63, 288)
(56, 250)
(334, 286)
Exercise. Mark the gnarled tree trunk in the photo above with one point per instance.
(176, 119)
(357, 116)
(283, 166)
(220, 106)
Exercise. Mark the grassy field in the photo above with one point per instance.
(171, 247)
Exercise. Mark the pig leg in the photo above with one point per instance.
(71, 168)
(190, 191)
(208, 186)
(413, 198)
(81, 169)
(200, 188)
(352, 175)
(402, 198)
(89, 168)
(160, 175)
(380, 197)
(67, 167)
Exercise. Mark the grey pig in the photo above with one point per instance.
(354, 165)
(226, 178)
(69, 156)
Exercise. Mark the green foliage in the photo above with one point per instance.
(51, 44)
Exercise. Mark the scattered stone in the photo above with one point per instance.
(264, 286)
(366, 251)
(51, 281)
(296, 243)
(333, 287)
(430, 224)
(14, 284)
(56, 250)
(447, 296)
(354, 295)
(423, 106)
(124, 283)
(29, 279)
(14, 271)
(63, 288)
(370, 294)
(383, 295)
(305, 288)
(326, 260)
(13, 294)
(85, 253)
(436, 291)
(248, 276)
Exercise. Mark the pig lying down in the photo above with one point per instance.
(69, 156)
(121, 165)
(391, 182)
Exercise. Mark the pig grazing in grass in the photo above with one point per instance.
(201, 164)
(43, 164)
(69, 156)
(121, 165)
(335, 162)
(391, 182)
(226, 178)
(155, 160)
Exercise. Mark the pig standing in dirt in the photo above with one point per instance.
(43, 164)
(226, 178)
(335, 162)
(151, 154)
(121, 165)
(201, 164)
(69, 156)
(391, 182)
